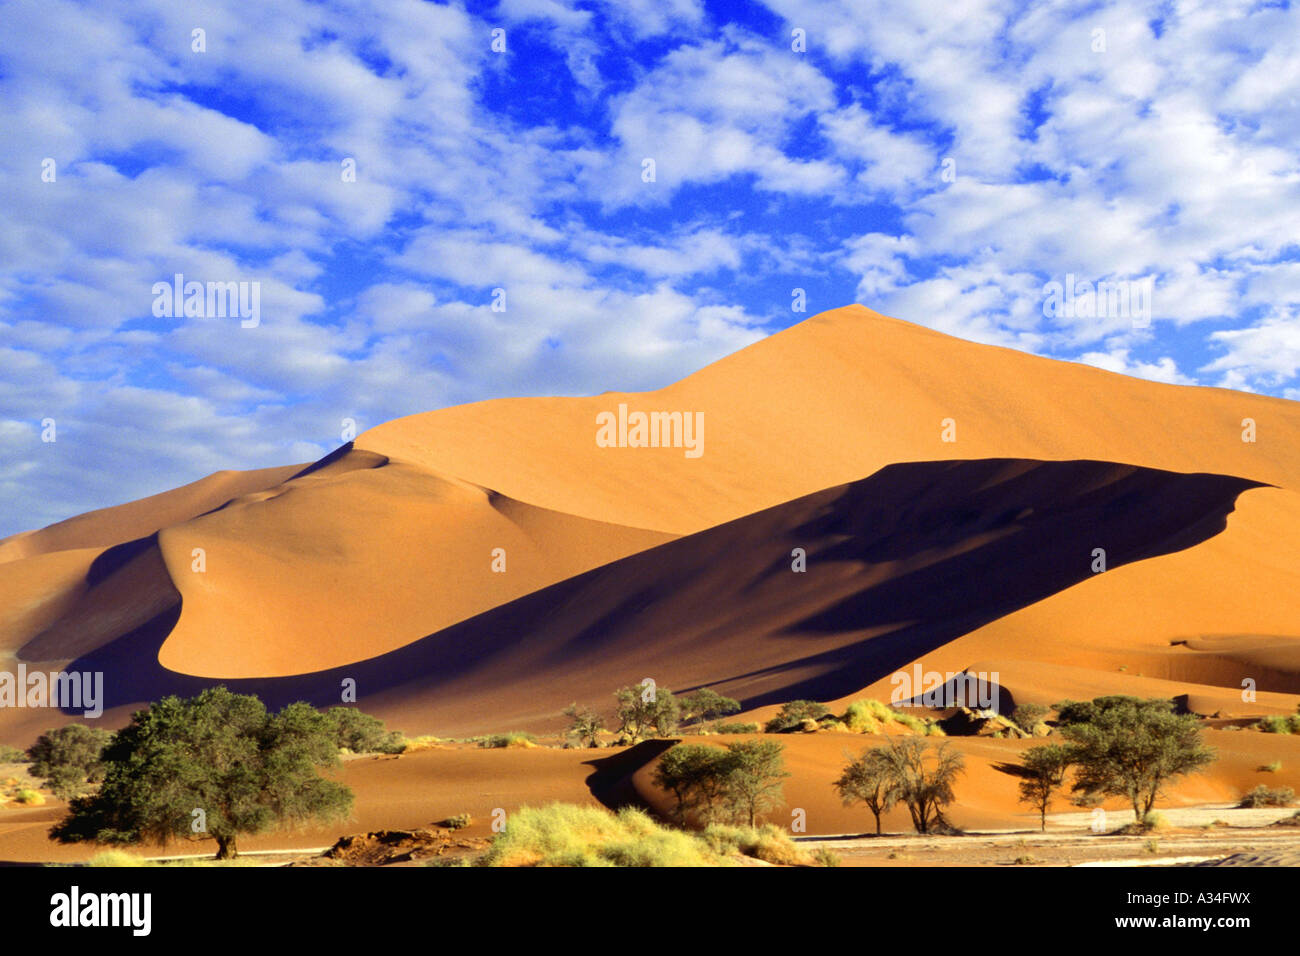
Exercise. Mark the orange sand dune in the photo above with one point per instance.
(137, 519)
(899, 563)
(384, 548)
(829, 401)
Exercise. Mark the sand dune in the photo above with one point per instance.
(376, 562)
(902, 562)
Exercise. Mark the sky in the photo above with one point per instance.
(637, 186)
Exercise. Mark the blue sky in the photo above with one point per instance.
(938, 161)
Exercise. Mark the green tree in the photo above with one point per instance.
(924, 786)
(361, 733)
(69, 759)
(1042, 771)
(753, 781)
(696, 776)
(644, 708)
(869, 780)
(705, 705)
(1132, 748)
(584, 724)
(216, 764)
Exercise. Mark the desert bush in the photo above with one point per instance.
(458, 822)
(1263, 796)
(1273, 766)
(118, 858)
(69, 759)
(567, 835)
(792, 715)
(12, 755)
(361, 733)
(705, 704)
(860, 719)
(736, 728)
(1280, 724)
(768, 843)
(29, 797)
(825, 856)
(516, 738)
(1027, 716)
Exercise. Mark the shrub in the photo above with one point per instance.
(1271, 767)
(1028, 716)
(705, 704)
(768, 843)
(1280, 724)
(29, 797)
(736, 728)
(362, 733)
(69, 759)
(1263, 796)
(567, 835)
(792, 715)
(860, 719)
(458, 822)
(118, 858)
(12, 754)
(1155, 821)
(825, 856)
(516, 738)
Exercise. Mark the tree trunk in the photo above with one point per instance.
(1043, 817)
(877, 823)
(226, 847)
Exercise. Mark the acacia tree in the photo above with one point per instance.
(584, 724)
(216, 765)
(695, 775)
(645, 707)
(738, 781)
(925, 787)
(753, 781)
(869, 780)
(705, 705)
(1128, 747)
(1043, 771)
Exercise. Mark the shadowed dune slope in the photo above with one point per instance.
(898, 564)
